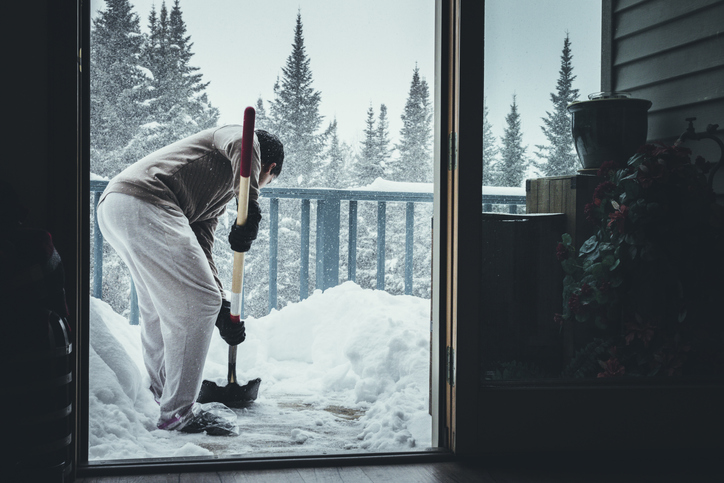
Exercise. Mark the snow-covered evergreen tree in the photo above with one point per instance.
(116, 81)
(415, 153)
(177, 99)
(116, 111)
(144, 95)
(294, 115)
(384, 149)
(513, 160)
(368, 165)
(490, 151)
(335, 175)
(262, 120)
(558, 157)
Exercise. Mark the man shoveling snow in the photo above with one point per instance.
(160, 215)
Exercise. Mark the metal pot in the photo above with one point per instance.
(609, 126)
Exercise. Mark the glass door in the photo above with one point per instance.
(337, 284)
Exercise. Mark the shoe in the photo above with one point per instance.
(213, 418)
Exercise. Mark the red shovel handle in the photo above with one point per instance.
(247, 141)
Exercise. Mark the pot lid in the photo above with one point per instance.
(607, 98)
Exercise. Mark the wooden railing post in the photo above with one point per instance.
(352, 242)
(273, 251)
(381, 225)
(331, 243)
(327, 243)
(304, 252)
(409, 244)
(319, 248)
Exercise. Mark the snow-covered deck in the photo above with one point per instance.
(343, 371)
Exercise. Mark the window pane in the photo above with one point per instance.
(539, 57)
(610, 287)
(337, 283)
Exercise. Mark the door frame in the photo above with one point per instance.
(458, 200)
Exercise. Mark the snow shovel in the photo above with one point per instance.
(233, 395)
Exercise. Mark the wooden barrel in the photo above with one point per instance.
(38, 405)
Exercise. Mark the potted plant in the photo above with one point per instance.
(647, 286)
(609, 125)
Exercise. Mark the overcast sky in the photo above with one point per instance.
(523, 45)
(364, 52)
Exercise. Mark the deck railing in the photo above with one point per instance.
(328, 208)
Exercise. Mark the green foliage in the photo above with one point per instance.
(515, 371)
(654, 258)
(586, 362)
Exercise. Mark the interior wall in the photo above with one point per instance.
(41, 159)
(26, 152)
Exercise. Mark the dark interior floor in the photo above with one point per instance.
(450, 471)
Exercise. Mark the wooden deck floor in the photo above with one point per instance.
(448, 472)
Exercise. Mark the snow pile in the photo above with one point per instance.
(381, 184)
(346, 369)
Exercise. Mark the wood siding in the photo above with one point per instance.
(672, 53)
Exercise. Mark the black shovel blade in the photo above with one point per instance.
(231, 395)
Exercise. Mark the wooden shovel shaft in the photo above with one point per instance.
(247, 147)
(237, 278)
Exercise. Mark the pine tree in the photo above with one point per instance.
(368, 166)
(513, 160)
(178, 102)
(115, 85)
(294, 115)
(262, 121)
(490, 151)
(334, 170)
(191, 91)
(416, 134)
(384, 151)
(558, 157)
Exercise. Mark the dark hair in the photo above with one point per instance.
(272, 150)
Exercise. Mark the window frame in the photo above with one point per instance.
(561, 417)
(81, 298)
(491, 420)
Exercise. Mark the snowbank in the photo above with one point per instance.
(344, 370)
(380, 184)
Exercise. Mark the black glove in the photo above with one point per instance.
(233, 333)
(240, 237)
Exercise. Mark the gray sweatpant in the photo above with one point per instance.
(177, 296)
